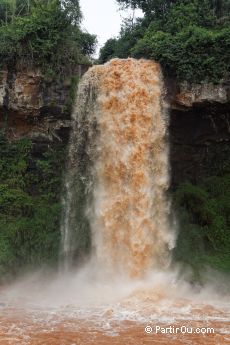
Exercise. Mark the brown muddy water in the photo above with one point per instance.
(129, 286)
(63, 327)
(104, 313)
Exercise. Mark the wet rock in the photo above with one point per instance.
(31, 104)
(184, 95)
(35, 107)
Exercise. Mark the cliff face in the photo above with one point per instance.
(199, 130)
(35, 107)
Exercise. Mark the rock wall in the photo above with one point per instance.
(200, 142)
(199, 130)
(32, 106)
(184, 96)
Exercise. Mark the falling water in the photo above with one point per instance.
(116, 208)
(118, 170)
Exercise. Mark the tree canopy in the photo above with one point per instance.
(151, 8)
(45, 32)
(190, 38)
(162, 7)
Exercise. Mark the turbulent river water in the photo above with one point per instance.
(116, 197)
(83, 308)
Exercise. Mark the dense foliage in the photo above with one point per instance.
(30, 207)
(44, 32)
(191, 39)
(204, 223)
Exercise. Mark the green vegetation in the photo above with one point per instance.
(45, 33)
(190, 38)
(29, 206)
(204, 223)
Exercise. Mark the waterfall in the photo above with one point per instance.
(118, 171)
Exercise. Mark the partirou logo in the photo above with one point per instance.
(175, 330)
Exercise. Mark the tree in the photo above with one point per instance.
(190, 38)
(72, 8)
(10, 9)
(108, 50)
(87, 43)
(221, 7)
(45, 33)
(151, 8)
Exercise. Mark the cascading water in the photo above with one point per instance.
(116, 207)
(75, 228)
(118, 169)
